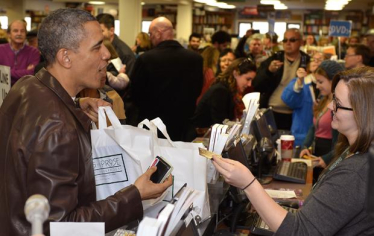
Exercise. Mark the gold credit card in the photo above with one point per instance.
(206, 153)
(312, 157)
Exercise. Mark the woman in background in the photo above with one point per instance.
(210, 59)
(226, 57)
(116, 72)
(300, 95)
(218, 103)
(321, 136)
(142, 44)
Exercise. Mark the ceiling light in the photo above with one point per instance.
(214, 3)
(280, 6)
(270, 2)
(96, 2)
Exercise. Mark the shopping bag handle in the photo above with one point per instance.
(107, 111)
(154, 125)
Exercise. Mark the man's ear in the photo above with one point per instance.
(63, 58)
(111, 30)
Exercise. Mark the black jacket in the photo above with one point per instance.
(266, 82)
(166, 83)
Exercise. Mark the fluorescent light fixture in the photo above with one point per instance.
(116, 27)
(336, 4)
(214, 3)
(270, 2)
(280, 6)
(96, 2)
(4, 22)
(28, 23)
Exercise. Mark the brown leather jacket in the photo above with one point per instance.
(45, 148)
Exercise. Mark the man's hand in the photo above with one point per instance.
(275, 65)
(147, 188)
(30, 67)
(90, 106)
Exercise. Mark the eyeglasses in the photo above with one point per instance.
(316, 60)
(292, 40)
(350, 55)
(242, 64)
(336, 106)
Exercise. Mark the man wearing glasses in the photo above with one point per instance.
(276, 72)
(357, 55)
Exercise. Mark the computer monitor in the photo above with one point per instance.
(259, 127)
(269, 116)
(265, 148)
(242, 151)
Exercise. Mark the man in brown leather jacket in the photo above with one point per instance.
(45, 140)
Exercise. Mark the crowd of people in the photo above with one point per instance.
(77, 63)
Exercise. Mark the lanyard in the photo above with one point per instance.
(343, 156)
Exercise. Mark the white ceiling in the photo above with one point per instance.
(292, 4)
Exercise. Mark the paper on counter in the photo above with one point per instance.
(77, 228)
(281, 193)
(308, 162)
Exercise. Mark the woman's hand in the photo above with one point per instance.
(301, 74)
(304, 152)
(233, 172)
(123, 69)
(321, 163)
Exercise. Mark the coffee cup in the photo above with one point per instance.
(287, 142)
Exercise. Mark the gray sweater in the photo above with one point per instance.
(337, 205)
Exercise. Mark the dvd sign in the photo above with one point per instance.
(340, 28)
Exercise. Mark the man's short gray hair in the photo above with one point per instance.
(63, 28)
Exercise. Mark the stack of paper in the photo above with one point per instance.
(218, 138)
(250, 101)
(156, 227)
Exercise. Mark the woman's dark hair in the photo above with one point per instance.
(241, 66)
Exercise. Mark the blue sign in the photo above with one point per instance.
(340, 28)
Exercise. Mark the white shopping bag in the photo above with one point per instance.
(189, 166)
(114, 167)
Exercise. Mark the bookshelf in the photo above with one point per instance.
(318, 22)
(167, 11)
(36, 18)
(217, 20)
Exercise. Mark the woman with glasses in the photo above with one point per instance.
(226, 57)
(218, 103)
(321, 136)
(337, 203)
(299, 95)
